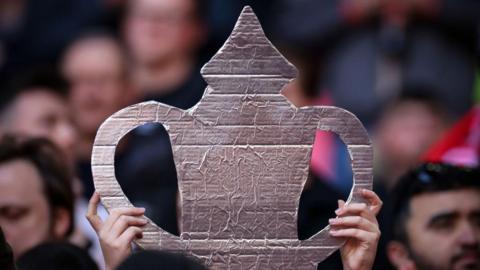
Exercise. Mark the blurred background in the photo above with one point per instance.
(408, 69)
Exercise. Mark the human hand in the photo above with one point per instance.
(117, 232)
(357, 222)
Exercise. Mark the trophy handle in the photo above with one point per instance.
(351, 131)
(103, 167)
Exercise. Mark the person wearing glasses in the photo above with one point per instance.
(436, 217)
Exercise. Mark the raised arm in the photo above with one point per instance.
(117, 232)
(357, 223)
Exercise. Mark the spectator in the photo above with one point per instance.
(436, 212)
(96, 68)
(162, 38)
(36, 107)
(404, 132)
(36, 197)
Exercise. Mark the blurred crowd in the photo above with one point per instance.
(408, 69)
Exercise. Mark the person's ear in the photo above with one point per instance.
(61, 222)
(399, 256)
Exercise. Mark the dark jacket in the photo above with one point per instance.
(6, 255)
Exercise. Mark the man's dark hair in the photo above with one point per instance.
(45, 78)
(428, 178)
(56, 255)
(48, 160)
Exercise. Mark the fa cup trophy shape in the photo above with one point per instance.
(242, 157)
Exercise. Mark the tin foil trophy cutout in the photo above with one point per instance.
(242, 158)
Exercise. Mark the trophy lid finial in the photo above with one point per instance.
(248, 52)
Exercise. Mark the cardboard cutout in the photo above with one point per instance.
(242, 158)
